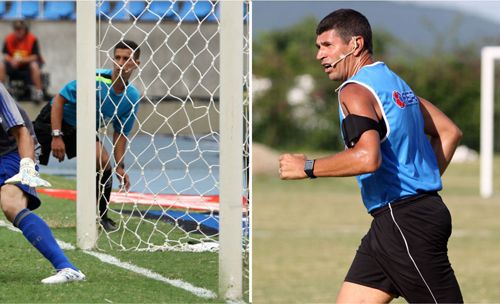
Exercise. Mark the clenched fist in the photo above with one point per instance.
(292, 166)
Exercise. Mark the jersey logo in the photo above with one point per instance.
(404, 99)
(397, 99)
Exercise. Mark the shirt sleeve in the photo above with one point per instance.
(69, 92)
(125, 122)
(9, 112)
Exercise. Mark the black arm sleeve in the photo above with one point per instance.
(353, 126)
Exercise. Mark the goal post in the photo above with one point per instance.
(231, 150)
(86, 111)
(488, 56)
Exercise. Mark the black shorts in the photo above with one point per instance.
(43, 131)
(22, 72)
(405, 252)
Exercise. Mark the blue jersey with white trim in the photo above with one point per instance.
(12, 115)
(120, 109)
(409, 165)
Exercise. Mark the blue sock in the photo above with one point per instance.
(38, 233)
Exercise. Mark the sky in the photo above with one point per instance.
(486, 9)
(417, 23)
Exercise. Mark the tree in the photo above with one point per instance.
(448, 78)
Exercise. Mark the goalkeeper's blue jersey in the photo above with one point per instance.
(409, 165)
(119, 109)
(11, 115)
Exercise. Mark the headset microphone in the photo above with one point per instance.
(342, 57)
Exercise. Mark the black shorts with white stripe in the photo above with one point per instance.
(405, 252)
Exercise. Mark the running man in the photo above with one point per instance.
(385, 127)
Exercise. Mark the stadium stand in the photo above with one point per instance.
(104, 8)
(160, 10)
(196, 11)
(136, 8)
(57, 10)
(119, 10)
(2, 8)
(24, 9)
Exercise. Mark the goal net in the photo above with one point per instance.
(172, 152)
(187, 154)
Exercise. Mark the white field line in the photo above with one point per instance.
(106, 258)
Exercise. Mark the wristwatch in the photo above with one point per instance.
(56, 133)
(309, 168)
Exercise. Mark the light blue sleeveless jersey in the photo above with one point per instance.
(409, 165)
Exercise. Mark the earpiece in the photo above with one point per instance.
(342, 57)
(355, 43)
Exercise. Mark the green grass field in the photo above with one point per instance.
(306, 233)
(23, 267)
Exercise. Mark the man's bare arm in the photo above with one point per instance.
(364, 157)
(25, 144)
(444, 134)
(120, 145)
(56, 117)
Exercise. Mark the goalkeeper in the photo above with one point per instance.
(117, 102)
(18, 177)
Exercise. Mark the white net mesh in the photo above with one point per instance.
(172, 153)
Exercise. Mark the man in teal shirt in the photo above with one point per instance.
(117, 104)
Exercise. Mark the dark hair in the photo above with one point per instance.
(20, 24)
(129, 45)
(347, 23)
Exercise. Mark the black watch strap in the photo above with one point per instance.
(309, 168)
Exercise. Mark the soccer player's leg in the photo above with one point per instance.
(356, 293)
(104, 184)
(427, 227)
(36, 79)
(16, 202)
(366, 281)
(411, 246)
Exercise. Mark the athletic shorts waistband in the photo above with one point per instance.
(402, 202)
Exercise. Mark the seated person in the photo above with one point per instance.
(22, 57)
